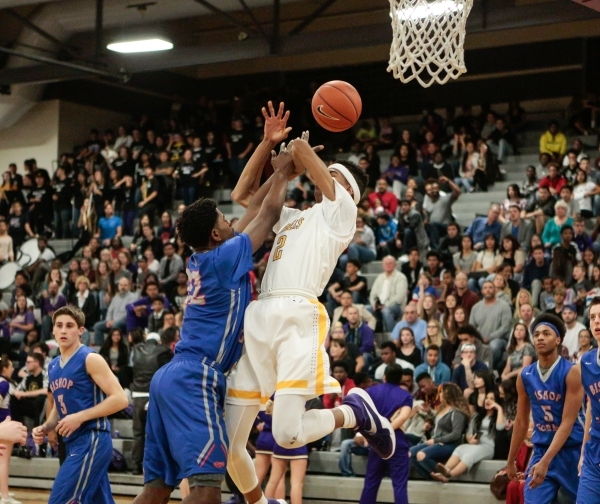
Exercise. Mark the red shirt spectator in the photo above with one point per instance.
(388, 200)
(340, 373)
(554, 180)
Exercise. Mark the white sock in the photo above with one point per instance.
(349, 418)
(263, 500)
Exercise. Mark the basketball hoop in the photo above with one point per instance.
(428, 40)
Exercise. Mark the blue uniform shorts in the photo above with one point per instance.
(83, 478)
(562, 472)
(185, 427)
(589, 489)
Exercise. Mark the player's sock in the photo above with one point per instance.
(349, 418)
(263, 500)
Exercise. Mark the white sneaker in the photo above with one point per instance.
(10, 500)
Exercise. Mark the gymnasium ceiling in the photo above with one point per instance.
(215, 38)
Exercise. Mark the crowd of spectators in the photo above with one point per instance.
(453, 307)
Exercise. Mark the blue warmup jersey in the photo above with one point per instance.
(218, 293)
(75, 391)
(83, 478)
(589, 490)
(185, 427)
(547, 398)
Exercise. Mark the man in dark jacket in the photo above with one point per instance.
(360, 334)
(148, 357)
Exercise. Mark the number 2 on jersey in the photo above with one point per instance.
(63, 406)
(279, 249)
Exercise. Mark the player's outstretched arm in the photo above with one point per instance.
(116, 400)
(571, 408)
(270, 209)
(304, 155)
(520, 428)
(275, 131)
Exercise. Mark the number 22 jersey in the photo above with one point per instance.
(547, 398)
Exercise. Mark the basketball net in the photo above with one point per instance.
(428, 40)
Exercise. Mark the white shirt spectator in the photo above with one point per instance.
(379, 372)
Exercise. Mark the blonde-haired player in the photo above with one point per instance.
(285, 328)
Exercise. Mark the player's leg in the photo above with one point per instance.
(547, 491)
(399, 468)
(239, 421)
(373, 476)
(278, 470)
(85, 471)
(562, 467)
(589, 491)
(297, 473)
(262, 462)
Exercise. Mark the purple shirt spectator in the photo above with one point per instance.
(52, 304)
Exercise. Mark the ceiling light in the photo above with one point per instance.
(142, 45)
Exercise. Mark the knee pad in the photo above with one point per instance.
(285, 435)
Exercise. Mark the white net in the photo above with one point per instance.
(428, 40)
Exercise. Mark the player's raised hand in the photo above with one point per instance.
(275, 129)
(283, 162)
(13, 432)
(68, 425)
(538, 474)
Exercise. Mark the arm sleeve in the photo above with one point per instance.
(340, 214)
(444, 373)
(233, 259)
(368, 340)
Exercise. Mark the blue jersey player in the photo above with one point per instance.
(185, 429)
(86, 392)
(589, 464)
(551, 391)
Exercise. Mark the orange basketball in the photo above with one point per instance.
(336, 106)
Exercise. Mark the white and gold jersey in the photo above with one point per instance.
(309, 244)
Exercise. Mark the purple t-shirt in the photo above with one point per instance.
(388, 399)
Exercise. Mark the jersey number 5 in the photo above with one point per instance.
(278, 250)
(63, 407)
(548, 413)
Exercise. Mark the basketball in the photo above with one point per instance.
(336, 106)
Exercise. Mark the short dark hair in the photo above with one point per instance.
(391, 345)
(360, 378)
(393, 374)
(408, 372)
(168, 335)
(37, 356)
(356, 263)
(158, 298)
(595, 301)
(433, 347)
(45, 349)
(342, 364)
(137, 335)
(432, 253)
(551, 319)
(196, 223)
(538, 247)
(470, 330)
(423, 376)
(361, 178)
(565, 227)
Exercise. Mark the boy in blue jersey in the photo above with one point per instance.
(589, 462)
(185, 429)
(86, 392)
(551, 391)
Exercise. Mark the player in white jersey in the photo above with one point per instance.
(285, 329)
